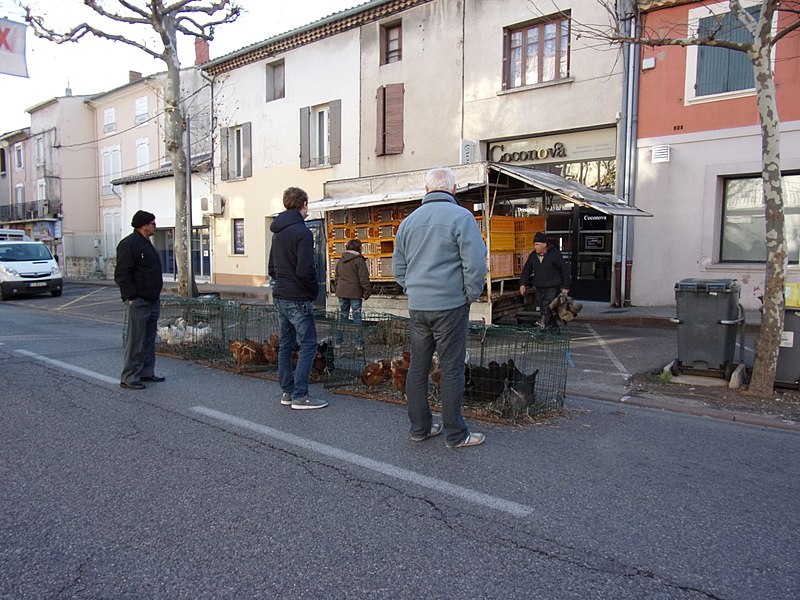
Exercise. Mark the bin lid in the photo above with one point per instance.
(708, 285)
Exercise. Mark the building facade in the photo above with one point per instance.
(392, 87)
(699, 159)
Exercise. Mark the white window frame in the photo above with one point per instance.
(319, 129)
(695, 14)
(41, 189)
(109, 120)
(140, 111)
(19, 157)
(39, 149)
(275, 91)
(142, 155)
(111, 169)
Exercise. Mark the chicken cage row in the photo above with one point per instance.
(509, 371)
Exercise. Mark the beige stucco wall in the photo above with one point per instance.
(315, 74)
(682, 240)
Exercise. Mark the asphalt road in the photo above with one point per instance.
(205, 487)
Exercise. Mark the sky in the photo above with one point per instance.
(93, 65)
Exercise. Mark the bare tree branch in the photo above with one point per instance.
(114, 16)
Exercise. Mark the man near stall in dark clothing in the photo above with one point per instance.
(548, 273)
(138, 275)
(292, 269)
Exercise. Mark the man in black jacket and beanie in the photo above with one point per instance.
(138, 275)
(548, 273)
(295, 286)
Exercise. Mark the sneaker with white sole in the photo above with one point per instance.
(472, 439)
(286, 399)
(308, 403)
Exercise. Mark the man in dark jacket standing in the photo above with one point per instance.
(138, 275)
(352, 286)
(291, 268)
(548, 273)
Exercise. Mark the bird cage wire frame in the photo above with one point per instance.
(383, 336)
(513, 372)
(253, 339)
(193, 328)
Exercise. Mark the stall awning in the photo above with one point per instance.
(408, 187)
(570, 190)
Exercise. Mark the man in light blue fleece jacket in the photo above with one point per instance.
(440, 261)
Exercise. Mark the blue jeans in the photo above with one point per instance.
(139, 359)
(345, 304)
(296, 319)
(444, 331)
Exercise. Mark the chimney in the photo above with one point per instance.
(134, 76)
(200, 51)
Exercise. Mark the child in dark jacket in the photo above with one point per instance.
(352, 287)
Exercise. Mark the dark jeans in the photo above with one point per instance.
(445, 332)
(345, 305)
(139, 359)
(296, 318)
(543, 297)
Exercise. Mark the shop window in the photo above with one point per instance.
(236, 152)
(712, 70)
(276, 82)
(536, 52)
(321, 135)
(391, 43)
(390, 119)
(237, 235)
(743, 236)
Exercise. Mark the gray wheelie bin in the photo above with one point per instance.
(708, 316)
(787, 370)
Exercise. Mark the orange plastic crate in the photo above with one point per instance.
(502, 241)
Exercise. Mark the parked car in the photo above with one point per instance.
(27, 267)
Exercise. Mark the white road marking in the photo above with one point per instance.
(486, 500)
(607, 350)
(69, 367)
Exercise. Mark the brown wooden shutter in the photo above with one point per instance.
(380, 130)
(394, 118)
(305, 142)
(335, 125)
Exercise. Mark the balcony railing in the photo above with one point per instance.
(30, 211)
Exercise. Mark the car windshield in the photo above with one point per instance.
(24, 252)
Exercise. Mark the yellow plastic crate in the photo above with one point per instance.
(502, 241)
(792, 294)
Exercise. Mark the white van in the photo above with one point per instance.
(13, 234)
(27, 267)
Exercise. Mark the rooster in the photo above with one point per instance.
(521, 385)
(271, 349)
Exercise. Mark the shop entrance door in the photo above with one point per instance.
(584, 237)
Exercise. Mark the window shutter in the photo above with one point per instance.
(505, 59)
(305, 142)
(394, 118)
(224, 171)
(247, 162)
(380, 133)
(335, 125)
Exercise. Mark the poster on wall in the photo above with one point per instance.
(43, 231)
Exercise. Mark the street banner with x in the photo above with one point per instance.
(12, 48)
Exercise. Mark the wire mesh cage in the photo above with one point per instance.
(512, 372)
(194, 328)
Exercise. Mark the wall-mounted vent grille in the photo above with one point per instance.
(660, 154)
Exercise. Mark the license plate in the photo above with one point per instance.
(39, 284)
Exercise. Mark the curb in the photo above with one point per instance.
(670, 405)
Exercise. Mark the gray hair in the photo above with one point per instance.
(440, 180)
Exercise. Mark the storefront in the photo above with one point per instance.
(510, 203)
(584, 235)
